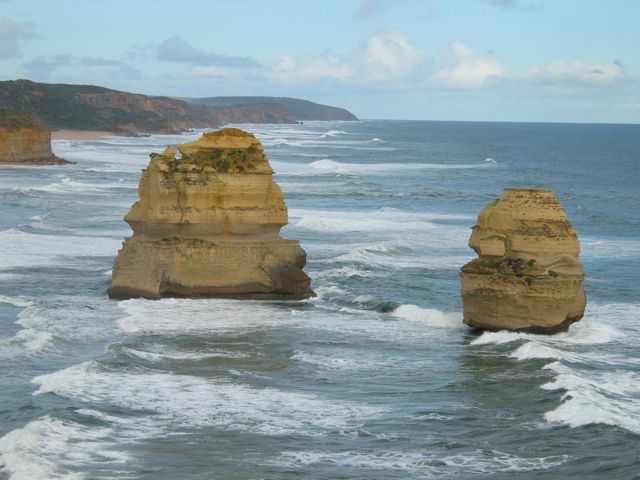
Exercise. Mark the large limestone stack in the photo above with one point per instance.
(24, 140)
(208, 224)
(528, 276)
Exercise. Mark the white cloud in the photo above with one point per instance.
(286, 63)
(594, 74)
(328, 65)
(389, 54)
(468, 69)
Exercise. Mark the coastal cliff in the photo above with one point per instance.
(208, 224)
(528, 276)
(300, 109)
(24, 140)
(89, 107)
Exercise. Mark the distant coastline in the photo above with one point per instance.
(63, 107)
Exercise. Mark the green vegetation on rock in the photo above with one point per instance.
(89, 107)
(13, 119)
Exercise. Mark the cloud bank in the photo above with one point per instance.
(12, 36)
(176, 49)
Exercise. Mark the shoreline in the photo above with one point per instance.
(80, 134)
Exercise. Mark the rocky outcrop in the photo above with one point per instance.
(24, 140)
(208, 224)
(528, 276)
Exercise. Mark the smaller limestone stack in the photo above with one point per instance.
(208, 224)
(528, 276)
(24, 140)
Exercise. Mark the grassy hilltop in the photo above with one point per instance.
(89, 107)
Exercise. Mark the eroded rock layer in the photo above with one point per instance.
(24, 140)
(208, 224)
(528, 276)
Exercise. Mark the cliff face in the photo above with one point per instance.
(25, 140)
(528, 276)
(131, 112)
(87, 107)
(300, 109)
(208, 224)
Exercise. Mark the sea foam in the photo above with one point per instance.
(191, 402)
(421, 464)
(430, 317)
(21, 249)
(595, 397)
(53, 448)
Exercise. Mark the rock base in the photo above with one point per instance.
(193, 267)
(522, 304)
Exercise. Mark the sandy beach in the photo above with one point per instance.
(79, 134)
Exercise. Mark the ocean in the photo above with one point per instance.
(376, 377)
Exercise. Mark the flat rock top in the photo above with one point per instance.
(229, 150)
(523, 205)
(227, 138)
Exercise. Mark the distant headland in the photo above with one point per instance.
(94, 108)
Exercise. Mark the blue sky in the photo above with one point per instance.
(511, 60)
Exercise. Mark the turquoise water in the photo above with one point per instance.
(343, 385)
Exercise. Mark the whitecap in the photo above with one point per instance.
(379, 220)
(327, 361)
(27, 341)
(595, 397)
(358, 361)
(494, 461)
(333, 133)
(188, 401)
(21, 249)
(542, 350)
(365, 221)
(585, 332)
(421, 464)
(158, 353)
(328, 165)
(395, 255)
(70, 186)
(81, 318)
(188, 315)
(534, 350)
(344, 272)
(326, 292)
(20, 302)
(53, 448)
(429, 316)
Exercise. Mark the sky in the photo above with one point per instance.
(476, 60)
